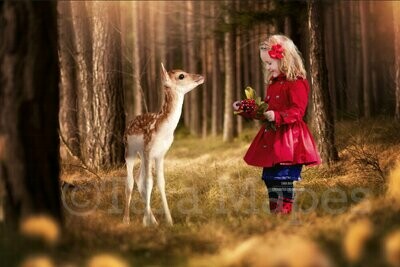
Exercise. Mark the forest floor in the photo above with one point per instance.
(343, 213)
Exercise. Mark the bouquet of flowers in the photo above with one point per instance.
(253, 108)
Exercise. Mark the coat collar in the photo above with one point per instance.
(280, 77)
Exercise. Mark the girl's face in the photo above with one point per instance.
(271, 64)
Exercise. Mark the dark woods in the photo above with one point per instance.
(109, 55)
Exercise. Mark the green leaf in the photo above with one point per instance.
(263, 106)
(258, 101)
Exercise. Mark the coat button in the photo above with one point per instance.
(281, 82)
(264, 146)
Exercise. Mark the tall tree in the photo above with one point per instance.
(239, 84)
(137, 88)
(364, 14)
(396, 21)
(105, 148)
(68, 114)
(204, 63)
(185, 58)
(152, 86)
(194, 125)
(229, 81)
(338, 77)
(215, 118)
(329, 37)
(323, 123)
(29, 102)
(84, 69)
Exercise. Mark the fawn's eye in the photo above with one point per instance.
(181, 77)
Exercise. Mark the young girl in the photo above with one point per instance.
(283, 152)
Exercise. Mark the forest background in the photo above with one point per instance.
(73, 73)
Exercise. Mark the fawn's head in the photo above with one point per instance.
(180, 81)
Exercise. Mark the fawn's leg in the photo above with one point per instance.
(140, 181)
(130, 160)
(148, 219)
(161, 187)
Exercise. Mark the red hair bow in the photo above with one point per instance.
(276, 51)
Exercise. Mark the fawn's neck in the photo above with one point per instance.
(171, 109)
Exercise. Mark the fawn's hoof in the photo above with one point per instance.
(126, 220)
(170, 222)
(149, 221)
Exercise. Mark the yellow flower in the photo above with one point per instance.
(250, 93)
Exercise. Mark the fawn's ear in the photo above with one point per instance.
(165, 76)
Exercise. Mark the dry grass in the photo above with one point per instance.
(219, 206)
(393, 185)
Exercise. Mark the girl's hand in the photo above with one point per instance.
(236, 105)
(270, 115)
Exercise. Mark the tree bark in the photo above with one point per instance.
(229, 80)
(204, 63)
(215, 118)
(365, 58)
(152, 88)
(329, 52)
(194, 124)
(83, 44)
(105, 148)
(337, 53)
(29, 104)
(396, 21)
(239, 84)
(185, 60)
(323, 122)
(68, 114)
(138, 95)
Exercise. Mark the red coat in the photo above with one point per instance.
(292, 142)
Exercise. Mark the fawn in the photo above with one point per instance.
(150, 135)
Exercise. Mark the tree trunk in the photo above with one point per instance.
(153, 88)
(204, 63)
(323, 123)
(29, 104)
(239, 83)
(68, 114)
(138, 95)
(374, 89)
(215, 80)
(229, 80)
(185, 60)
(396, 21)
(365, 58)
(161, 34)
(329, 52)
(337, 53)
(246, 64)
(194, 125)
(105, 148)
(83, 44)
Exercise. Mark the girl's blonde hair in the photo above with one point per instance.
(291, 64)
